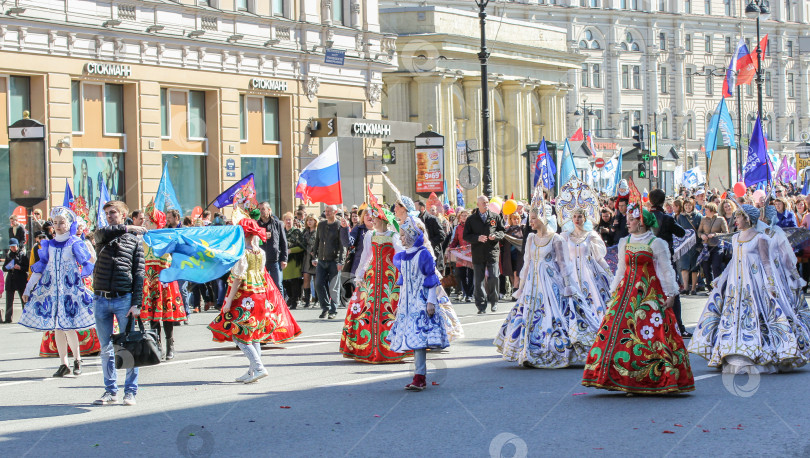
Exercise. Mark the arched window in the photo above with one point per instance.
(583, 44)
(664, 126)
(630, 43)
(589, 41)
(792, 131)
(690, 128)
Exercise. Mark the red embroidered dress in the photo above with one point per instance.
(373, 307)
(638, 348)
(281, 326)
(161, 301)
(247, 320)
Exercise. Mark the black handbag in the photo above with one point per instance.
(136, 348)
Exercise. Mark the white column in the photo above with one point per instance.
(398, 89)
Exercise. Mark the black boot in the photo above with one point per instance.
(307, 295)
(168, 331)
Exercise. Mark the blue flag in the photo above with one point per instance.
(68, 195)
(806, 186)
(567, 167)
(226, 198)
(103, 198)
(544, 167)
(721, 130)
(166, 197)
(756, 168)
(613, 185)
(199, 254)
(459, 196)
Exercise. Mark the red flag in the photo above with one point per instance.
(578, 136)
(512, 196)
(372, 200)
(748, 64)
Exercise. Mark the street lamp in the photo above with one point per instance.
(483, 56)
(585, 111)
(758, 9)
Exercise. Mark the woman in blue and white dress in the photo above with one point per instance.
(56, 297)
(419, 323)
(749, 324)
(550, 326)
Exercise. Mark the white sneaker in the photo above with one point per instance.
(243, 378)
(261, 373)
(129, 399)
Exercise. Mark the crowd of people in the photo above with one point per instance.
(597, 282)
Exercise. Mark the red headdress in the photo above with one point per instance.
(251, 227)
(157, 217)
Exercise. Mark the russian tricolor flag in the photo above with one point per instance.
(731, 74)
(320, 179)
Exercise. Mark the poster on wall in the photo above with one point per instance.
(90, 169)
(429, 170)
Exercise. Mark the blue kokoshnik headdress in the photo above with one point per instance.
(68, 215)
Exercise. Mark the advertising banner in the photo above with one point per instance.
(430, 170)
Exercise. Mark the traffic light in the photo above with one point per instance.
(642, 170)
(640, 137)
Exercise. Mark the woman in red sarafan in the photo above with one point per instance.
(638, 348)
(281, 326)
(162, 304)
(373, 307)
(245, 313)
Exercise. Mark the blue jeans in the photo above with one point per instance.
(104, 311)
(326, 272)
(184, 293)
(274, 269)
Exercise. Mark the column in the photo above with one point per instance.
(472, 99)
(398, 89)
(516, 136)
(58, 108)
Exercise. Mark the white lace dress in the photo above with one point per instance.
(587, 253)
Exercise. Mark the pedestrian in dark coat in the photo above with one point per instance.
(484, 231)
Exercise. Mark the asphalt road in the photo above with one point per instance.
(316, 403)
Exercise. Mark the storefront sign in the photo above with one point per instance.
(429, 175)
(268, 85)
(96, 68)
(604, 146)
(367, 129)
(334, 56)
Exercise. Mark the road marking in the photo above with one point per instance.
(705, 376)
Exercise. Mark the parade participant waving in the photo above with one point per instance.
(550, 326)
(749, 324)
(56, 297)
(638, 348)
(373, 306)
(417, 326)
(578, 211)
(244, 315)
(162, 303)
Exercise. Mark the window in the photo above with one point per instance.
(76, 105)
(748, 89)
(708, 43)
(583, 76)
(769, 127)
(624, 4)
(19, 97)
(767, 47)
(728, 45)
(266, 170)
(635, 4)
(690, 128)
(687, 6)
(583, 3)
(727, 8)
(789, 48)
(589, 41)
(165, 130)
(242, 118)
(664, 127)
(768, 88)
(187, 172)
(636, 77)
(791, 86)
(707, 7)
(626, 127)
(241, 5)
(792, 131)
(662, 6)
(583, 44)
(113, 109)
(594, 3)
(689, 83)
(662, 75)
(597, 114)
(687, 42)
(662, 41)
(709, 85)
(337, 11)
(278, 7)
(597, 76)
(637, 117)
(196, 114)
(625, 77)
(271, 120)
(788, 11)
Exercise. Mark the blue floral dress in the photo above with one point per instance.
(413, 328)
(58, 297)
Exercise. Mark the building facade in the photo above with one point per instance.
(438, 84)
(652, 60)
(214, 89)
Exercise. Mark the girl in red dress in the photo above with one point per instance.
(638, 348)
(245, 314)
(162, 303)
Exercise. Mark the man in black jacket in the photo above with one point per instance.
(17, 267)
(484, 230)
(619, 230)
(118, 287)
(667, 228)
(275, 249)
(435, 234)
(329, 258)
